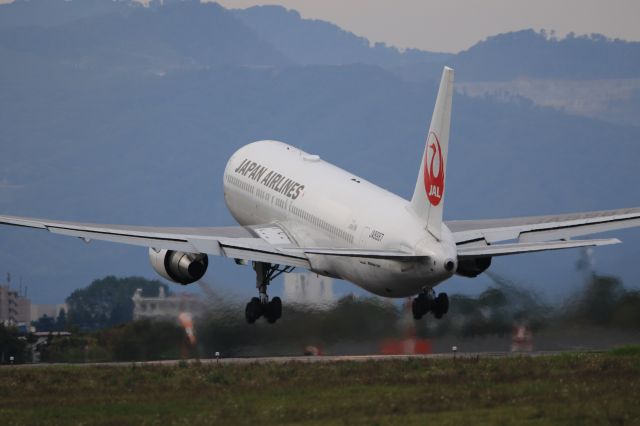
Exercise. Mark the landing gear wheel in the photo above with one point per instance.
(441, 305)
(420, 306)
(277, 307)
(253, 311)
(261, 306)
(444, 301)
(416, 309)
(273, 310)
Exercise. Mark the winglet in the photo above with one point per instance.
(428, 195)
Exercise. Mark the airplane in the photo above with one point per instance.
(297, 211)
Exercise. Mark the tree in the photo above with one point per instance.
(11, 345)
(597, 302)
(627, 312)
(142, 340)
(44, 323)
(61, 321)
(107, 302)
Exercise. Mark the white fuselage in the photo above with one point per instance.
(322, 206)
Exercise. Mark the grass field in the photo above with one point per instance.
(564, 389)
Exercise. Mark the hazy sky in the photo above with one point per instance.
(453, 25)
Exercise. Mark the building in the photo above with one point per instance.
(52, 311)
(163, 306)
(308, 289)
(15, 308)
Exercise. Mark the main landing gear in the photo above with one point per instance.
(262, 306)
(427, 302)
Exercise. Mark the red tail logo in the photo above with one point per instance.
(434, 170)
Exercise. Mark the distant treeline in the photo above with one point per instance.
(104, 303)
(353, 323)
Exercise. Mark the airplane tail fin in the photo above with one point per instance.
(428, 196)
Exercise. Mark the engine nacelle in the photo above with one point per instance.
(179, 267)
(473, 267)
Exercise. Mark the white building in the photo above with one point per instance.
(308, 289)
(164, 306)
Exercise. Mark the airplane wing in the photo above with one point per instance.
(477, 238)
(270, 243)
(260, 243)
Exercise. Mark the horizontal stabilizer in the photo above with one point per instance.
(364, 253)
(543, 228)
(516, 248)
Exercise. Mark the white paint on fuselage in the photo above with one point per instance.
(336, 209)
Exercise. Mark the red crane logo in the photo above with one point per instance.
(434, 170)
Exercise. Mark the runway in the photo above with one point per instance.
(300, 359)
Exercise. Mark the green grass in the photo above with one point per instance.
(629, 350)
(565, 389)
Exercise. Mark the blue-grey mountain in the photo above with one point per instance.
(128, 115)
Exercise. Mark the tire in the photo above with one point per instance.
(445, 302)
(253, 311)
(273, 310)
(440, 305)
(277, 307)
(417, 308)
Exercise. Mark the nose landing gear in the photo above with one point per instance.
(428, 302)
(262, 306)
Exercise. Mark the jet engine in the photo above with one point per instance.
(472, 267)
(179, 267)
